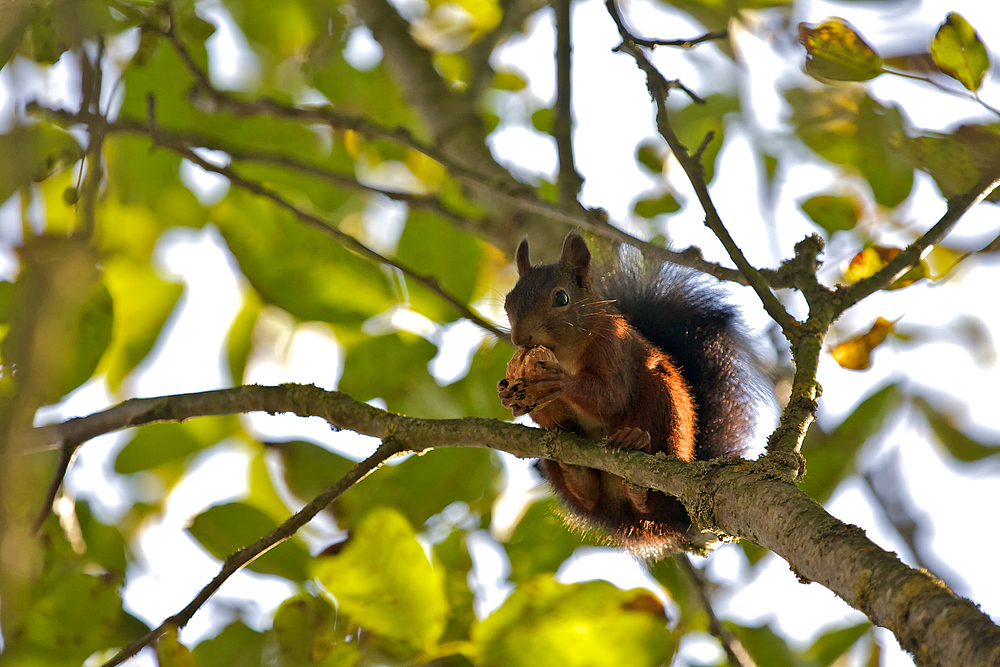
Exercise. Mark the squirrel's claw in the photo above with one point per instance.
(630, 437)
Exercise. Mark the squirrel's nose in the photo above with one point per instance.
(521, 339)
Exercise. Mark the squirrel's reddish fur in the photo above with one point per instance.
(650, 361)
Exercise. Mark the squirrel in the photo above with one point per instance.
(650, 360)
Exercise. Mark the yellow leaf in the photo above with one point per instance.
(835, 51)
(855, 353)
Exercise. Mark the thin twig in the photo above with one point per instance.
(568, 179)
(243, 557)
(848, 295)
(523, 198)
(731, 644)
(682, 43)
(658, 88)
(176, 144)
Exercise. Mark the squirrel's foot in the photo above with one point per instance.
(583, 484)
(629, 438)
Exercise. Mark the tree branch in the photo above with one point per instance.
(737, 654)
(750, 499)
(177, 143)
(848, 295)
(240, 559)
(568, 179)
(504, 193)
(658, 87)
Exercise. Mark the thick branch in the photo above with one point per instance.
(753, 500)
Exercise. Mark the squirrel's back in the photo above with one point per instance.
(678, 311)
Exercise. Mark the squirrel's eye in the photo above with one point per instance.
(560, 299)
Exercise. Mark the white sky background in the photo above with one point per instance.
(613, 113)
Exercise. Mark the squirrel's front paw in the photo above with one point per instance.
(526, 394)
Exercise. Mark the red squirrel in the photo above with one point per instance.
(654, 361)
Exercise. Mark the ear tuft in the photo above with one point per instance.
(575, 258)
(521, 257)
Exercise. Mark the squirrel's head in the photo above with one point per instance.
(544, 308)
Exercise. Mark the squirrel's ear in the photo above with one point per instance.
(521, 257)
(576, 258)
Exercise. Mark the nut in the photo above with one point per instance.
(530, 361)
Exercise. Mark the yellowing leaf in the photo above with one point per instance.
(170, 652)
(590, 624)
(855, 353)
(509, 80)
(428, 171)
(383, 581)
(835, 51)
(873, 259)
(959, 52)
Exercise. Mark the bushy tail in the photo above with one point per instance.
(679, 312)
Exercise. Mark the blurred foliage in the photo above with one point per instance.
(401, 587)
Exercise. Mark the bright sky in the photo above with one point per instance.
(613, 113)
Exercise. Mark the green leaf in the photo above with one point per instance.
(236, 646)
(767, 648)
(952, 438)
(223, 529)
(476, 393)
(654, 206)
(957, 161)
(105, 544)
(958, 51)
(240, 339)
(832, 645)
(831, 458)
(61, 317)
(306, 628)
(144, 178)
(155, 445)
(452, 257)
(694, 121)
(73, 617)
(831, 212)
(543, 120)
(12, 29)
(299, 268)
(143, 302)
(308, 469)
(879, 130)
(418, 487)
(33, 153)
(408, 388)
(589, 624)
(835, 51)
(383, 581)
(650, 155)
(453, 554)
(540, 542)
